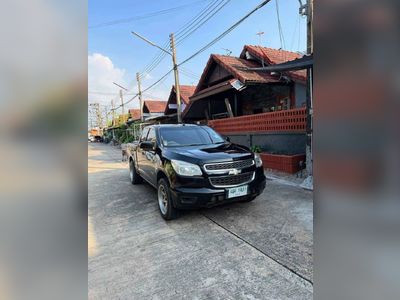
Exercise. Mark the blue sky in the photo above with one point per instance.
(115, 54)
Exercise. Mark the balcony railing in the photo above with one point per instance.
(293, 120)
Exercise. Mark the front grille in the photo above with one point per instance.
(218, 167)
(232, 180)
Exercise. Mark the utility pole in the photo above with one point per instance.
(140, 96)
(122, 105)
(308, 10)
(113, 113)
(113, 117)
(122, 99)
(106, 115)
(176, 75)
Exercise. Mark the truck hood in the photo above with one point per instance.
(211, 153)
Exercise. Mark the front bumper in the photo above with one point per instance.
(198, 197)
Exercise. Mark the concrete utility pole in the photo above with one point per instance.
(106, 116)
(308, 10)
(122, 105)
(176, 75)
(122, 99)
(140, 96)
(113, 113)
(113, 117)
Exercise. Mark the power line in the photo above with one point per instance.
(225, 32)
(160, 55)
(281, 35)
(183, 28)
(106, 93)
(188, 29)
(148, 88)
(202, 21)
(145, 16)
(262, 4)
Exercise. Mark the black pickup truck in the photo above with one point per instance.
(192, 166)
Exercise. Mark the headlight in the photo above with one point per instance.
(258, 160)
(185, 169)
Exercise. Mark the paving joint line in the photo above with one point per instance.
(259, 250)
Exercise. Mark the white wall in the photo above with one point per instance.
(300, 94)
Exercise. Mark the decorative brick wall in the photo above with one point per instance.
(285, 163)
(293, 120)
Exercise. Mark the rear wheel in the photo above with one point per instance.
(167, 210)
(133, 174)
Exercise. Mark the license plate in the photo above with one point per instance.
(237, 191)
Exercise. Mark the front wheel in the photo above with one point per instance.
(167, 210)
(133, 174)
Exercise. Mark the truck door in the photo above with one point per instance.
(140, 153)
(149, 164)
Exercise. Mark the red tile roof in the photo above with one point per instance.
(155, 106)
(274, 56)
(135, 113)
(186, 92)
(236, 66)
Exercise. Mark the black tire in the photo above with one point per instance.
(165, 205)
(133, 174)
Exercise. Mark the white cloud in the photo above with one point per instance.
(101, 75)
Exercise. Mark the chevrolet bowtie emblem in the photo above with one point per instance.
(234, 172)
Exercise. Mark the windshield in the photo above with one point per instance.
(189, 136)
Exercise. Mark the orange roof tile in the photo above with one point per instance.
(135, 113)
(274, 56)
(236, 66)
(186, 92)
(155, 106)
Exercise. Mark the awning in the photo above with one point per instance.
(215, 89)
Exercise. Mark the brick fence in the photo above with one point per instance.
(293, 120)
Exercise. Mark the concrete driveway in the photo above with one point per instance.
(257, 250)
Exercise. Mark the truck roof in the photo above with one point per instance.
(174, 125)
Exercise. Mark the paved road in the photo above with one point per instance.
(257, 250)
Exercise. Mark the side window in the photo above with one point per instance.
(144, 134)
(152, 135)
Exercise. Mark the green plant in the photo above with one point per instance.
(255, 149)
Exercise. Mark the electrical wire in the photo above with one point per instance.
(262, 4)
(201, 22)
(106, 93)
(281, 35)
(161, 55)
(148, 88)
(296, 30)
(145, 16)
(225, 32)
(188, 29)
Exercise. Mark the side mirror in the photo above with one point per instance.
(146, 145)
(228, 139)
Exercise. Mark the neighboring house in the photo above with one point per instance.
(227, 89)
(134, 114)
(269, 56)
(186, 91)
(253, 107)
(153, 108)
